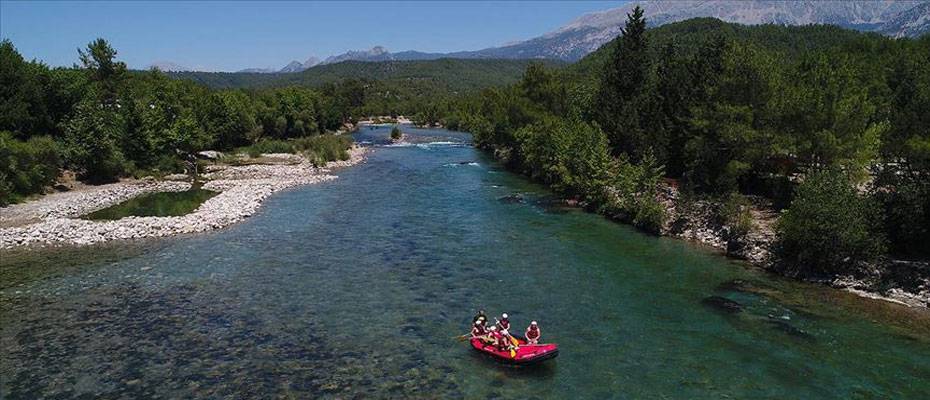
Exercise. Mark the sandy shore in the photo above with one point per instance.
(53, 219)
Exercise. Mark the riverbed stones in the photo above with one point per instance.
(54, 218)
(722, 304)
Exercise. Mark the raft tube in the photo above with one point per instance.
(526, 354)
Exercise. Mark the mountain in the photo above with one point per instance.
(293, 66)
(911, 23)
(168, 66)
(297, 66)
(590, 31)
(457, 75)
(257, 70)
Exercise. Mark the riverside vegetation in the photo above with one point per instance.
(826, 125)
(105, 122)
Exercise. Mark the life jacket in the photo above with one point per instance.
(478, 330)
(532, 333)
(504, 324)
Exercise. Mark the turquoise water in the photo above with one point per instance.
(354, 289)
(163, 204)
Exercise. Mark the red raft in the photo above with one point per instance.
(526, 354)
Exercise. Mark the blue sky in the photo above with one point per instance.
(228, 36)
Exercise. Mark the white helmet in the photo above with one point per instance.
(533, 323)
(504, 315)
(493, 328)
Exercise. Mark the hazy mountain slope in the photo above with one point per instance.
(453, 74)
(588, 32)
(167, 66)
(911, 23)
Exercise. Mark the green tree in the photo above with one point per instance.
(93, 135)
(829, 228)
(99, 60)
(622, 97)
(26, 167)
(22, 106)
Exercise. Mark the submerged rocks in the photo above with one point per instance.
(515, 198)
(243, 189)
(722, 304)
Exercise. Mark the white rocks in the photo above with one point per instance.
(243, 189)
(76, 203)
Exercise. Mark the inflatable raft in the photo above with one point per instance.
(525, 354)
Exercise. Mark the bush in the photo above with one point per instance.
(636, 188)
(27, 167)
(268, 146)
(325, 148)
(735, 213)
(569, 155)
(396, 134)
(320, 148)
(905, 197)
(92, 136)
(828, 228)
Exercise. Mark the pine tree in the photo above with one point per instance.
(621, 98)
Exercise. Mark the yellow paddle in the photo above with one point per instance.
(516, 344)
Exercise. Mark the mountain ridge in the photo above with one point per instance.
(586, 33)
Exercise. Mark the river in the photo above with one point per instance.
(355, 288)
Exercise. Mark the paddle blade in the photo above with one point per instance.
(515, 341)
(513, 353)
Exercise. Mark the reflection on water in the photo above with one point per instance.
(355, 288)
(162, 204)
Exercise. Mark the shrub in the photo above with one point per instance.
(27, 167)
(828, 228)
(735, 213)
(92, 134)
(904, 194)
(396, 134)
(636, 188)
(268, 146)
(320, 149)
(325, 148)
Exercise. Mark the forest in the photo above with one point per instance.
(829, 125)
(105, 122)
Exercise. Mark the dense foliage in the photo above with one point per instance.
(829, 228)
(105, 122)
(26, 167)
(728, 110)
(387, 88)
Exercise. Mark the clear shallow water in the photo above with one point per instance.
(164, 204)
(354, 289)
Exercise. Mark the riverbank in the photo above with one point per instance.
(897, 281)
(53, 219)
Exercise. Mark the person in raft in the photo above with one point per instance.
(532, 333)
(494, 337)
(479, 331)
(503, 342)
(503, 323)
(480, 317)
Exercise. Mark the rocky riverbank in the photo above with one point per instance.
(53, 219)
(903, 282)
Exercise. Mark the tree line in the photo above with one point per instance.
(832, 126)
(105, 122)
